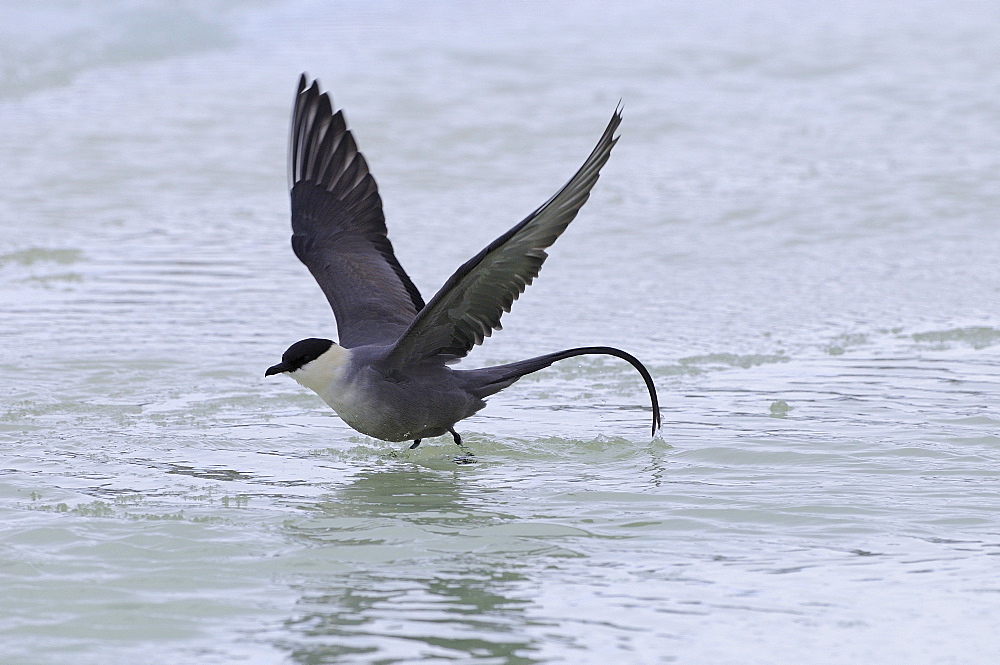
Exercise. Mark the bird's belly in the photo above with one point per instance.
(397, 412)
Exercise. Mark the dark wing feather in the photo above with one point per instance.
(338, 229)
(468, 307)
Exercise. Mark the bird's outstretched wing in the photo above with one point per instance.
(338, 229)
(468, 307)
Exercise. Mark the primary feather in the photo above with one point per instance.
(338, 229)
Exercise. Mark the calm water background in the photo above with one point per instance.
(798, 233)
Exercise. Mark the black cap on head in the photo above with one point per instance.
(300, 353)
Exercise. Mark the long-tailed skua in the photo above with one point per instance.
(389, 375)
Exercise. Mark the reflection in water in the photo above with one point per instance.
(466, 612)
(385, 602)
(418, 493)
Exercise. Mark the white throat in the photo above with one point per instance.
(326, 373)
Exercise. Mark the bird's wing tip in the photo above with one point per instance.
(616, 121)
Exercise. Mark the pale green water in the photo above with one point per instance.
(797, 233)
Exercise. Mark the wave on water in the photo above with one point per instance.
(730, 360)
(978, 337)
(49, 44)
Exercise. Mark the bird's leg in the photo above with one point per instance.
(416, 443)
(467, 457)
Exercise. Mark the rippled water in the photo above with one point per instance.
(797, 233)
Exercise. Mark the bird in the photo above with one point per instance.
(390, 376)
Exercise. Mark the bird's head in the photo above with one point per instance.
(312, 362)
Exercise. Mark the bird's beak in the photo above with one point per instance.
(277, 369)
